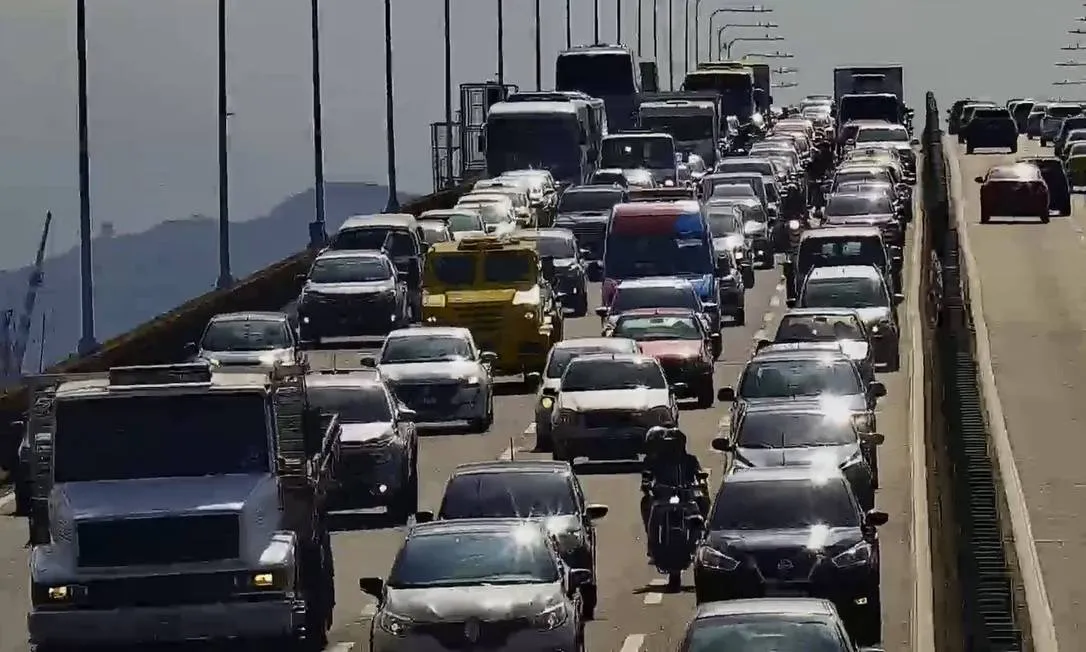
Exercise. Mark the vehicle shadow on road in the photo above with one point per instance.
(348, 521)
(662, 589)
(607, 467)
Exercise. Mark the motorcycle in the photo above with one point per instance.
(675, 527)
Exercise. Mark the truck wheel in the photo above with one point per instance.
(406, 502)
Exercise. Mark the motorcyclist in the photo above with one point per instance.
(667, 462)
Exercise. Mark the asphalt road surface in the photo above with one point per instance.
(634, 613)
(1034, 303)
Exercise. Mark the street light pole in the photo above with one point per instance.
(225, 279)
(317, 233)
(449, 172)
(671, 44)
(746, 39)
(639, 25)
(87, 341)
(538, 49)
(753, 9)
(686, 36)
(596, 21)
(393, 204)
(501, 42)
(618, 22)
(569, 24)
(724, 28)
(656, 31)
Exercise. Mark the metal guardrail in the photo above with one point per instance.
(984, 572)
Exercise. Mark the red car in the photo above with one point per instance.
(1016, 190)
(679, 339)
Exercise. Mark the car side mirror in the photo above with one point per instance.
(722, 444)
(978, 179)
(915, 142)
(424, 516)
(595, 512)
(762, 343)
(898, 298)
(191, 349)
(726, 394)
(790, 303)
(368, 362)
(488, 357)
(301, 278)
(877, 389)
(407, 414)
(579, 577)
(534, 379)
(874, 438)
(602, 311)
(374, 586)
(876, 518)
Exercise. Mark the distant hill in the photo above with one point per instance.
(140, 276)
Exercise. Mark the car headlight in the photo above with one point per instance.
(858, 555)
(393, 624)
(551, 618)
(739, 255)
(794, 225)
(529, 315)
(660, 416)
(711, 558)
(853, 460)
(567, 417)
(471, 381)
(668, 183)
(863, 421)
(546, 402)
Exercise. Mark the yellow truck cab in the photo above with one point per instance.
(498, 288)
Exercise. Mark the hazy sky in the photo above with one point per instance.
(152, 70)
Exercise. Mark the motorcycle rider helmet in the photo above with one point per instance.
(674, 440)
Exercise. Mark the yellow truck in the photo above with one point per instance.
(498, 288)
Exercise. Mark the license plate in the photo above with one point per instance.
(784, 592)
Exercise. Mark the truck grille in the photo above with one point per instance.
(484, 322)
(165, 540)
(427, 395)
(491, 634)
(610, 419)
(161, 590)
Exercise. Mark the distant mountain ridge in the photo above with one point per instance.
(142, 275)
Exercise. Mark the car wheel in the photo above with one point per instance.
(741, 317)
(984, 217)
(1065, 210)
(1045, 219)
(581, 307)
(407, 501)
(543, 442)
(22, 499)
(706, 395)
(590, 597)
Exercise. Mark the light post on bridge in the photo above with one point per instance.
(538, 49)
(769, 55)
(501, 43)
(595, 21)
(783, 70)
(225, 279)
(752, 9)
(569, 24)
(1070, 64)
(318, 234)
(449, 171)
(87, 341)
(1070, 82)
(787, 84)
(1073, 48)
(393, 204)
(618, 22)
(727, 26)
(727, 47)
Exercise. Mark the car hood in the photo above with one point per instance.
(729, 242)
(851, 402)
(151, 497)
(815, 538)
(368, 287)
(600, 217)
(872, 316)
(820, 456)
(486, 602)
(255, 358)
(859, 220)
(357, 433)
(612, 399)
(424, 371)
(671, 348)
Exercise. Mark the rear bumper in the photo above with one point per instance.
(142, 625)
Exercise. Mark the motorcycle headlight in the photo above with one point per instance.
(669, 183)
(551, 618)
(715, 559)
(529, 315)
(546, 402)
(393, 624)
(858, 555)
(660, 416)
(794, 225)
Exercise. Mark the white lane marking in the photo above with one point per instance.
(655, 597)
(530, 430)
(6, 499)
(923, 634)
(633, 643)
(368, 610)
(1042, 625)
(506, 454)
(346, 646)
(759, 335)
(768, 317)
(775, 301)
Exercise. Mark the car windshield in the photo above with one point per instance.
(829, 375)
(510, 494)
(681, 127)
(362, 404)
(181, 435)
(629, 152)
(818, 328)
(1063, 111)
(244, 335)
(425, 348)
(845, 293)
(848, 176)
(724, 221)
(783, 505)
(794, 430)
(647, 329)
(550, 246)
(882, 135)
(473, 558)
(744, 165)
(994, 113)
(509, 267)
(633, 298)
(633, 255)
(733, 190)
(754, 633)
(829, 252)
(492, 212)
(595, 201)
(453, 270)
(584, 375)
(395, 241)
(350, 270)
(458, 222)
(434, 232)
(857, 205)
(561, 357)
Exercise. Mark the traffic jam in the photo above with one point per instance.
(655, 214)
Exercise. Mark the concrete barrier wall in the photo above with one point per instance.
(163, 339)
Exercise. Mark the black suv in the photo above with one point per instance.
(1055, 176)
(777, 531)
(536, 489)
(989, 127)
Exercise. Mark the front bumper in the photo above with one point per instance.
(345, 318)
(846, 588)
(371, 477)
(449, 637)
(442, 403)
(167, 624)
(692, 373)
(619, 442)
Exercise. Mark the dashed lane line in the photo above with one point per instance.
(340, 647)
(655, 595)
(633, 643)
(368, 610)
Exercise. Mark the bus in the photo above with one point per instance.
(609, 72)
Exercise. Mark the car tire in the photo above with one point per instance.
(590, 597)
(769, 263)
(1014, 148)
(867, 629)
(984, 218)
(406, 502)
(1065, 211)
(706, 395)
(482, 424)
(1045, 218)
(741, 317)
(1044, 142)
(22, 499)
(543, 442)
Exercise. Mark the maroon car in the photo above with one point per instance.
(1016, 190)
